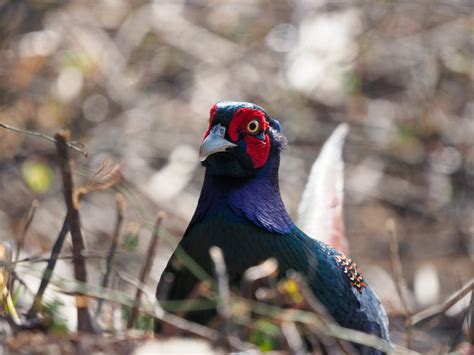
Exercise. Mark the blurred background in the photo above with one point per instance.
(134, 80)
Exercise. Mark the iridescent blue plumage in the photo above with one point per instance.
(241, 211)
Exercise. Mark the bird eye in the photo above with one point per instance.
(253, 126)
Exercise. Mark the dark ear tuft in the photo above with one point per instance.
(276, 125)
(279, 141)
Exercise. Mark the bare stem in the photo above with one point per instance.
(84, 320)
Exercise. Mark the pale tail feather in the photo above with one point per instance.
(320, 213)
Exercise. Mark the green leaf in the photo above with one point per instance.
(352, 82)
(58, 323)
(265, 335)
(131, 242)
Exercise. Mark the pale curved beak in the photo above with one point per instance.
(215, 142)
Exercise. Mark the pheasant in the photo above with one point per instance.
(240, 210)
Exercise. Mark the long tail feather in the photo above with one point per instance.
(320, 213)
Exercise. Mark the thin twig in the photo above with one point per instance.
(84, 322)
(399, 280)
(121, 206)
(443, 307)
(44, 136)
(145, 270)
(48, 272)
(31, 215)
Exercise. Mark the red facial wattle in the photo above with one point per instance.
(258, 149)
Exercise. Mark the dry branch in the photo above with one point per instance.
(145, 271)
(84, 321)
(44, 136)
(443, 307)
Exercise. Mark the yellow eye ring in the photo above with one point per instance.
(253, 126)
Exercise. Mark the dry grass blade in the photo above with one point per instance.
(84, 322)
(145, 270)
(73, 146)
(400, 283)
(108, 175)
